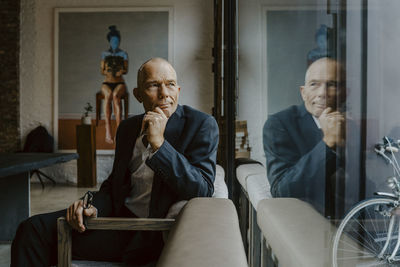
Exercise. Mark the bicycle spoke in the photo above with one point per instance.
(369, 215)
(369, 242)
(358, 249)
(355, 250)
(358, 257)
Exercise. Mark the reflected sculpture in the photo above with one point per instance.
(323, 36)
(114, 64)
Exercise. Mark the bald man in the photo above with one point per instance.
(300, 141)
(163, 156)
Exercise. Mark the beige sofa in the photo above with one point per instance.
(205, 226)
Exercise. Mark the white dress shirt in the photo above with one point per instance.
(138, 200)
(316, 122)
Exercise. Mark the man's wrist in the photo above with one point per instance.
(156, 145)
(95, 211)
(329, 143)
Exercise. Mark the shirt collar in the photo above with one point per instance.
(316, 122)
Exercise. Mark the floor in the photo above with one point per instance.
(51, 198)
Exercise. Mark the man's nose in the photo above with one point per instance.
(321, 92)
(163, 91)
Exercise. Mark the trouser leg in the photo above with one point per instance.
(35, 242)
(100, 245)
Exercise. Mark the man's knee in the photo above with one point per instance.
(27, 229)
(35, 241)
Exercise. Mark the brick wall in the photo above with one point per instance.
(10, 139)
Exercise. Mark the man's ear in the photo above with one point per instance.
(137, 95)
(302, 92)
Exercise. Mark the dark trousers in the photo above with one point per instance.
(35, 243)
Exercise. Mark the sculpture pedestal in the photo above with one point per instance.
(86, 148)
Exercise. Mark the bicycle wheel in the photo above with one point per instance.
(361, 237)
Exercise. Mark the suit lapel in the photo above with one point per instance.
(136, 127)
(309, 129)
(128, 147)
(174, 126)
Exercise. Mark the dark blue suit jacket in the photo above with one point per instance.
(184, 166)
(297, 158)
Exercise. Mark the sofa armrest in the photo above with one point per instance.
(206, 233)
(296, 232)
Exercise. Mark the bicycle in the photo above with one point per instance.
(369, 233)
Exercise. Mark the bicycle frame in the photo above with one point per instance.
(395, 186)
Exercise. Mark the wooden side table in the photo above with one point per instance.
(86, 148)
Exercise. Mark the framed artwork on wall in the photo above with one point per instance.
(289, 43)
(82, 42)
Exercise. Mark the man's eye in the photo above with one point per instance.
(171, 84)
(332, 84)
(152, 85)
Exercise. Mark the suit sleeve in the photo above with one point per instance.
(290, 173)
(190, 174)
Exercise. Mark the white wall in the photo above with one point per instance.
(193, 41)
(252, 102)
(251, 106)
(383, 91)
(81, 39)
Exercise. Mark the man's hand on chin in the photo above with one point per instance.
(75, 214)
(332, 126)
(155, 122)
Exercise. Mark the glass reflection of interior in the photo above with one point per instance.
(278, 42)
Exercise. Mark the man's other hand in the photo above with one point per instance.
(332, 126)
(154, 122)
(75, 215)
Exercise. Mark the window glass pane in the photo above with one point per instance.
(318, 89)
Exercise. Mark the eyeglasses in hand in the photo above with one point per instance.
(87, 203)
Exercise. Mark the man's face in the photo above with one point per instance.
(159, 87)
(321, 86)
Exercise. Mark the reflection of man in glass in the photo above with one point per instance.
(322, 37)
(114, 64)
(300, 141)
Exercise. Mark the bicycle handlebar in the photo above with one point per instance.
(389, 145)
